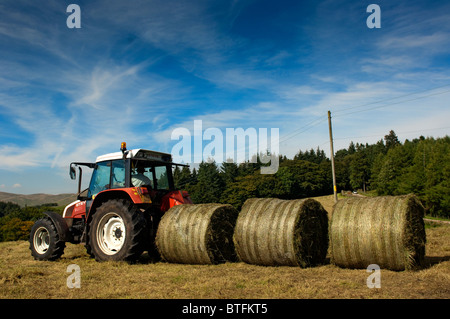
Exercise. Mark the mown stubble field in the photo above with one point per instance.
(21, 277)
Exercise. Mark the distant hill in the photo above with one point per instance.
(37, 199)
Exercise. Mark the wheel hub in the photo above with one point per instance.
(111, 233)
(41, 240)
(118, 233)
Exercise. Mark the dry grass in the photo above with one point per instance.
(23, 277)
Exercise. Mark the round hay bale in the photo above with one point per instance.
(275, 232)
(388, 231)
(197, 234)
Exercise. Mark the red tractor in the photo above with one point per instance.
(118, 215)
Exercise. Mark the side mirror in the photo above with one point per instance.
(72, 172)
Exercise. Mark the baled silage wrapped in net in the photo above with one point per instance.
(275, 232)
(388, 231)
(197, 234)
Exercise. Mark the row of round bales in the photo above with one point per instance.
(387, 231)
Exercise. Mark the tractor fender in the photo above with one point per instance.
(136, 195)
(61, 226)
(129, 194)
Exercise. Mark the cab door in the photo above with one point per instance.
(101, 178)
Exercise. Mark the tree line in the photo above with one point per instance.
(16, 221)
(388, 167)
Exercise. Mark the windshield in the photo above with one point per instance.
(100, 178)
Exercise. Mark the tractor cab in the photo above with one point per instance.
(146, 176)
(133, 168)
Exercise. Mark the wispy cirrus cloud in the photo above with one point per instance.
(136, 71)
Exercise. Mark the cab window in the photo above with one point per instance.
(162, 179)
(100, 178)
(141, 174)
(118, 174)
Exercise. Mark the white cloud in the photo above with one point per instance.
(17, 185)
(433, 42)
(301, 92)
(17, 158)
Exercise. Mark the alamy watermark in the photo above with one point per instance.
(374, 19)
(74, 19)
(374, 280)
(74, 279)
(236, 145)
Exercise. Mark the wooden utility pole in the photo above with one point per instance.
(332, 158)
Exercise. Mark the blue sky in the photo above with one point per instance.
(137, 70)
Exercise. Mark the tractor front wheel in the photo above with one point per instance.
(45, 243)
(116, 232)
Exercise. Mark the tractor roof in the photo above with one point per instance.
(137, 154)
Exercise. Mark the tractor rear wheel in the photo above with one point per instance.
(45, 243)
(116, 232)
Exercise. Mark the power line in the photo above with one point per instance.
(394, 98)
(303, 129)
(321, 119)
(385, 105)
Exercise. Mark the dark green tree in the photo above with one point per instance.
(209, 185)
(300, 178)
(229, 171)
(245, 187)
(391, 140)
(359, 170)
(176, 176)
(351, 148)
(7, 208)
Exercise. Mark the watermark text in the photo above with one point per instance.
(238, 145)
(74, 279)
(374, 280)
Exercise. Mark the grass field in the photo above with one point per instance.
(24, 278)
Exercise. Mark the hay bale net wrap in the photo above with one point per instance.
(197, 234)
(275, 232)
(388, 231)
